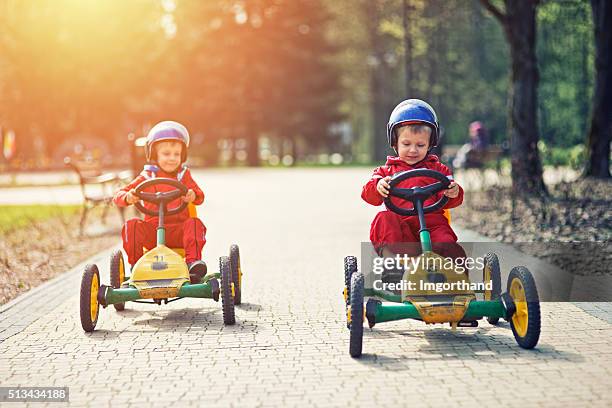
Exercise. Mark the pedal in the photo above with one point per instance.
(473, 323)
(216, 290)
(371, 306)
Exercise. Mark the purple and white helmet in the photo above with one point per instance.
(165, 131)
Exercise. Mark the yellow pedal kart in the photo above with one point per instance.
(418, 296)
(161, 274)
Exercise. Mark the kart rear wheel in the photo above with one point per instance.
(350, 267)
(525, 321)
(491, 273)
(227, 298)
(236, 273)
(117, 274)
(355, 315)
(89, 306)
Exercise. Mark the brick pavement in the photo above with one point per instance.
(290, 344)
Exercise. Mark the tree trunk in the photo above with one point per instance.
(598, 139)
(253, 151)
(408, 75)
(377, 84)
(519, 23)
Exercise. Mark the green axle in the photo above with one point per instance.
(199, 290)
(406, 310)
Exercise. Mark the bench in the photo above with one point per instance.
(477, 160)
(97, 187)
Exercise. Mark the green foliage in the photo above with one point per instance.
(573, 156)
(566, 58)
(284, 69)
(227, 69)
(460, 62)
(18, 216)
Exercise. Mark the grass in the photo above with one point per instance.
(18, 216)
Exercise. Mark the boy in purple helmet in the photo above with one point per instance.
(166, 152)
(412, 132)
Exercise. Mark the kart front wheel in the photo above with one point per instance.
(236, 273)
(90, 286)
(227, 296)
(491, 273)
(525, 321)
(117, 275)
(355, 315)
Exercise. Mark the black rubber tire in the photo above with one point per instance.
(532, 334)
(350, 267)
(227, 300)
(91, 273)
(492, 262)
(236, 273)
(116, 263)
(356, 325)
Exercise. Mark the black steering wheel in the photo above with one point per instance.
(161, 198)
(417, 195)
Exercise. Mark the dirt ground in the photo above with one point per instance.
(571, 229)
(30, 256)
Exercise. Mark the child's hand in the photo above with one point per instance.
(131, 197)
(189, 197)
(452, 191)
(383, 186)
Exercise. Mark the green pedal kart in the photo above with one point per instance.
(161, 274)
(416, 297)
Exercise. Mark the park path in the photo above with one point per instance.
(290, 344)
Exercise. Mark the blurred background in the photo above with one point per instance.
(276, 82)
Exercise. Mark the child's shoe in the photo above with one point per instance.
(197, 270)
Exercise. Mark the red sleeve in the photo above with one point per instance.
(119, 198)
(452, 202)
(190, 183)
(369, 193)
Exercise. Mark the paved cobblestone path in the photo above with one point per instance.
(290, 344)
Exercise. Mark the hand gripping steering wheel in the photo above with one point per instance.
(417, 195)
(161, 198)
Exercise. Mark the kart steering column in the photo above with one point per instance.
(161, 198)
(161, 230)
(417, 196)
(423, 231)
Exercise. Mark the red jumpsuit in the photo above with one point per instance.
(182, 231)
(397, 232)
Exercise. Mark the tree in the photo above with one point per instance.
(519, 25)
(259, 68)
(600, 132)
(72, 69)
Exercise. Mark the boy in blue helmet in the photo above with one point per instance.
(412, 132)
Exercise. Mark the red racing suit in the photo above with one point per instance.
(394, 231)
(182, 231)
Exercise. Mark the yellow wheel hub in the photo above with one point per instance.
(520, 319)
(486, 279)
(121, 272)
(95, 287)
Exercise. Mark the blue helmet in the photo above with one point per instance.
(165, 131)
(413, 111)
